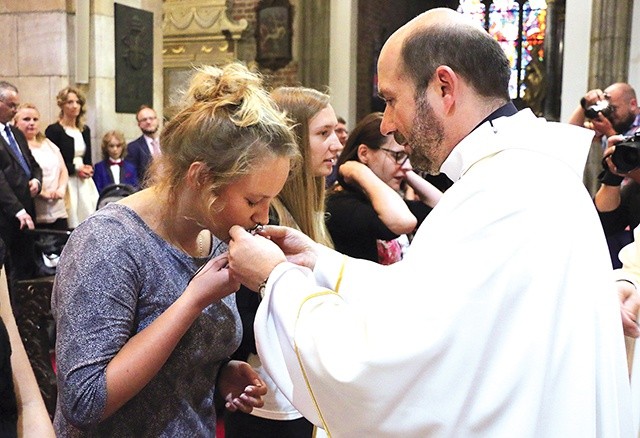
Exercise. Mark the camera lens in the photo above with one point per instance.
(601, 106)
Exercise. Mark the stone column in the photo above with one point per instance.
(36, 55)
(610, 40)
(553, 58)
(314, 43)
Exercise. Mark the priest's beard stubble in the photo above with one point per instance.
(425, 138)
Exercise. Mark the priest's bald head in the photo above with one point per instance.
(440, 75)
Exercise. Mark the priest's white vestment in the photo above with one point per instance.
(501, 321)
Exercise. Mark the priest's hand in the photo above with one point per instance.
(252, 257)
(629, 308)
(297, 246)
(240, 387)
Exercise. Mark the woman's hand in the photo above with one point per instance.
(86, 171)
(213, 282)
(350, 171)
(44, 194)
(240, 387)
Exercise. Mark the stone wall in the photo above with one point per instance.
(246, 9)
(39, 40)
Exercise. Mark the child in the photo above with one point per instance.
(113, 169)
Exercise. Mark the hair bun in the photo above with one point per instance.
(222, 86)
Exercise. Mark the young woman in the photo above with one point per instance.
(113, 169)
(73, 137)
(50, 207)
(300, 204)
(366, 214)
(145, 311)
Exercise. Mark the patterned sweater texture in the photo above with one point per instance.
(115, 277)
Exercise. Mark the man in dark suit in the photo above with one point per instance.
(20, 182)
(141, 150)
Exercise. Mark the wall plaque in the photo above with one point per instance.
(273, 33)
(134, 58)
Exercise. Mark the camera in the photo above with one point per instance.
(626, 155)
(602, 106)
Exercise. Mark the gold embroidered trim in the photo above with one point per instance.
(339, 281)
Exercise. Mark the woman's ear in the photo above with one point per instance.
(197, 174)
(364, 154)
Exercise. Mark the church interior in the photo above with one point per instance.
(126, 53)
(330, 45)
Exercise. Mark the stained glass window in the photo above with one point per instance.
(518, 26)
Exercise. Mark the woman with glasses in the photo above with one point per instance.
(367, 216)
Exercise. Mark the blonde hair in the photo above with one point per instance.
(300, 204)
(229, 123)
(61, 99)
(106, 138)
(39, 136)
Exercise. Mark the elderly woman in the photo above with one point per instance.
(50, 206)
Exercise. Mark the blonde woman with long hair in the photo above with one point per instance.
(300, 205)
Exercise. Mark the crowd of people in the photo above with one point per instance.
(297, 278)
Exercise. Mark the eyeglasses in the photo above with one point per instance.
(398, 156)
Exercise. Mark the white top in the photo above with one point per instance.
(51, 162)
(502, 319)
(276, 406)
(115, 171)
(79, 146)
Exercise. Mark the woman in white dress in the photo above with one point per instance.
(73, 138)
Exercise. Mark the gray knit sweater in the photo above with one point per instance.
(115, 277)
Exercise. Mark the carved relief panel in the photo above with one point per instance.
(196, 32)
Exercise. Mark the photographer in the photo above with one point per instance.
(609, 112)
(618, 205)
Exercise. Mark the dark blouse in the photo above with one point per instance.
(355, 226)
(55, 132)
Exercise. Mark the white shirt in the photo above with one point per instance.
(500, 321)
(115, 170)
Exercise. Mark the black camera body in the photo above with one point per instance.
(626, 156)
(602, 106)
